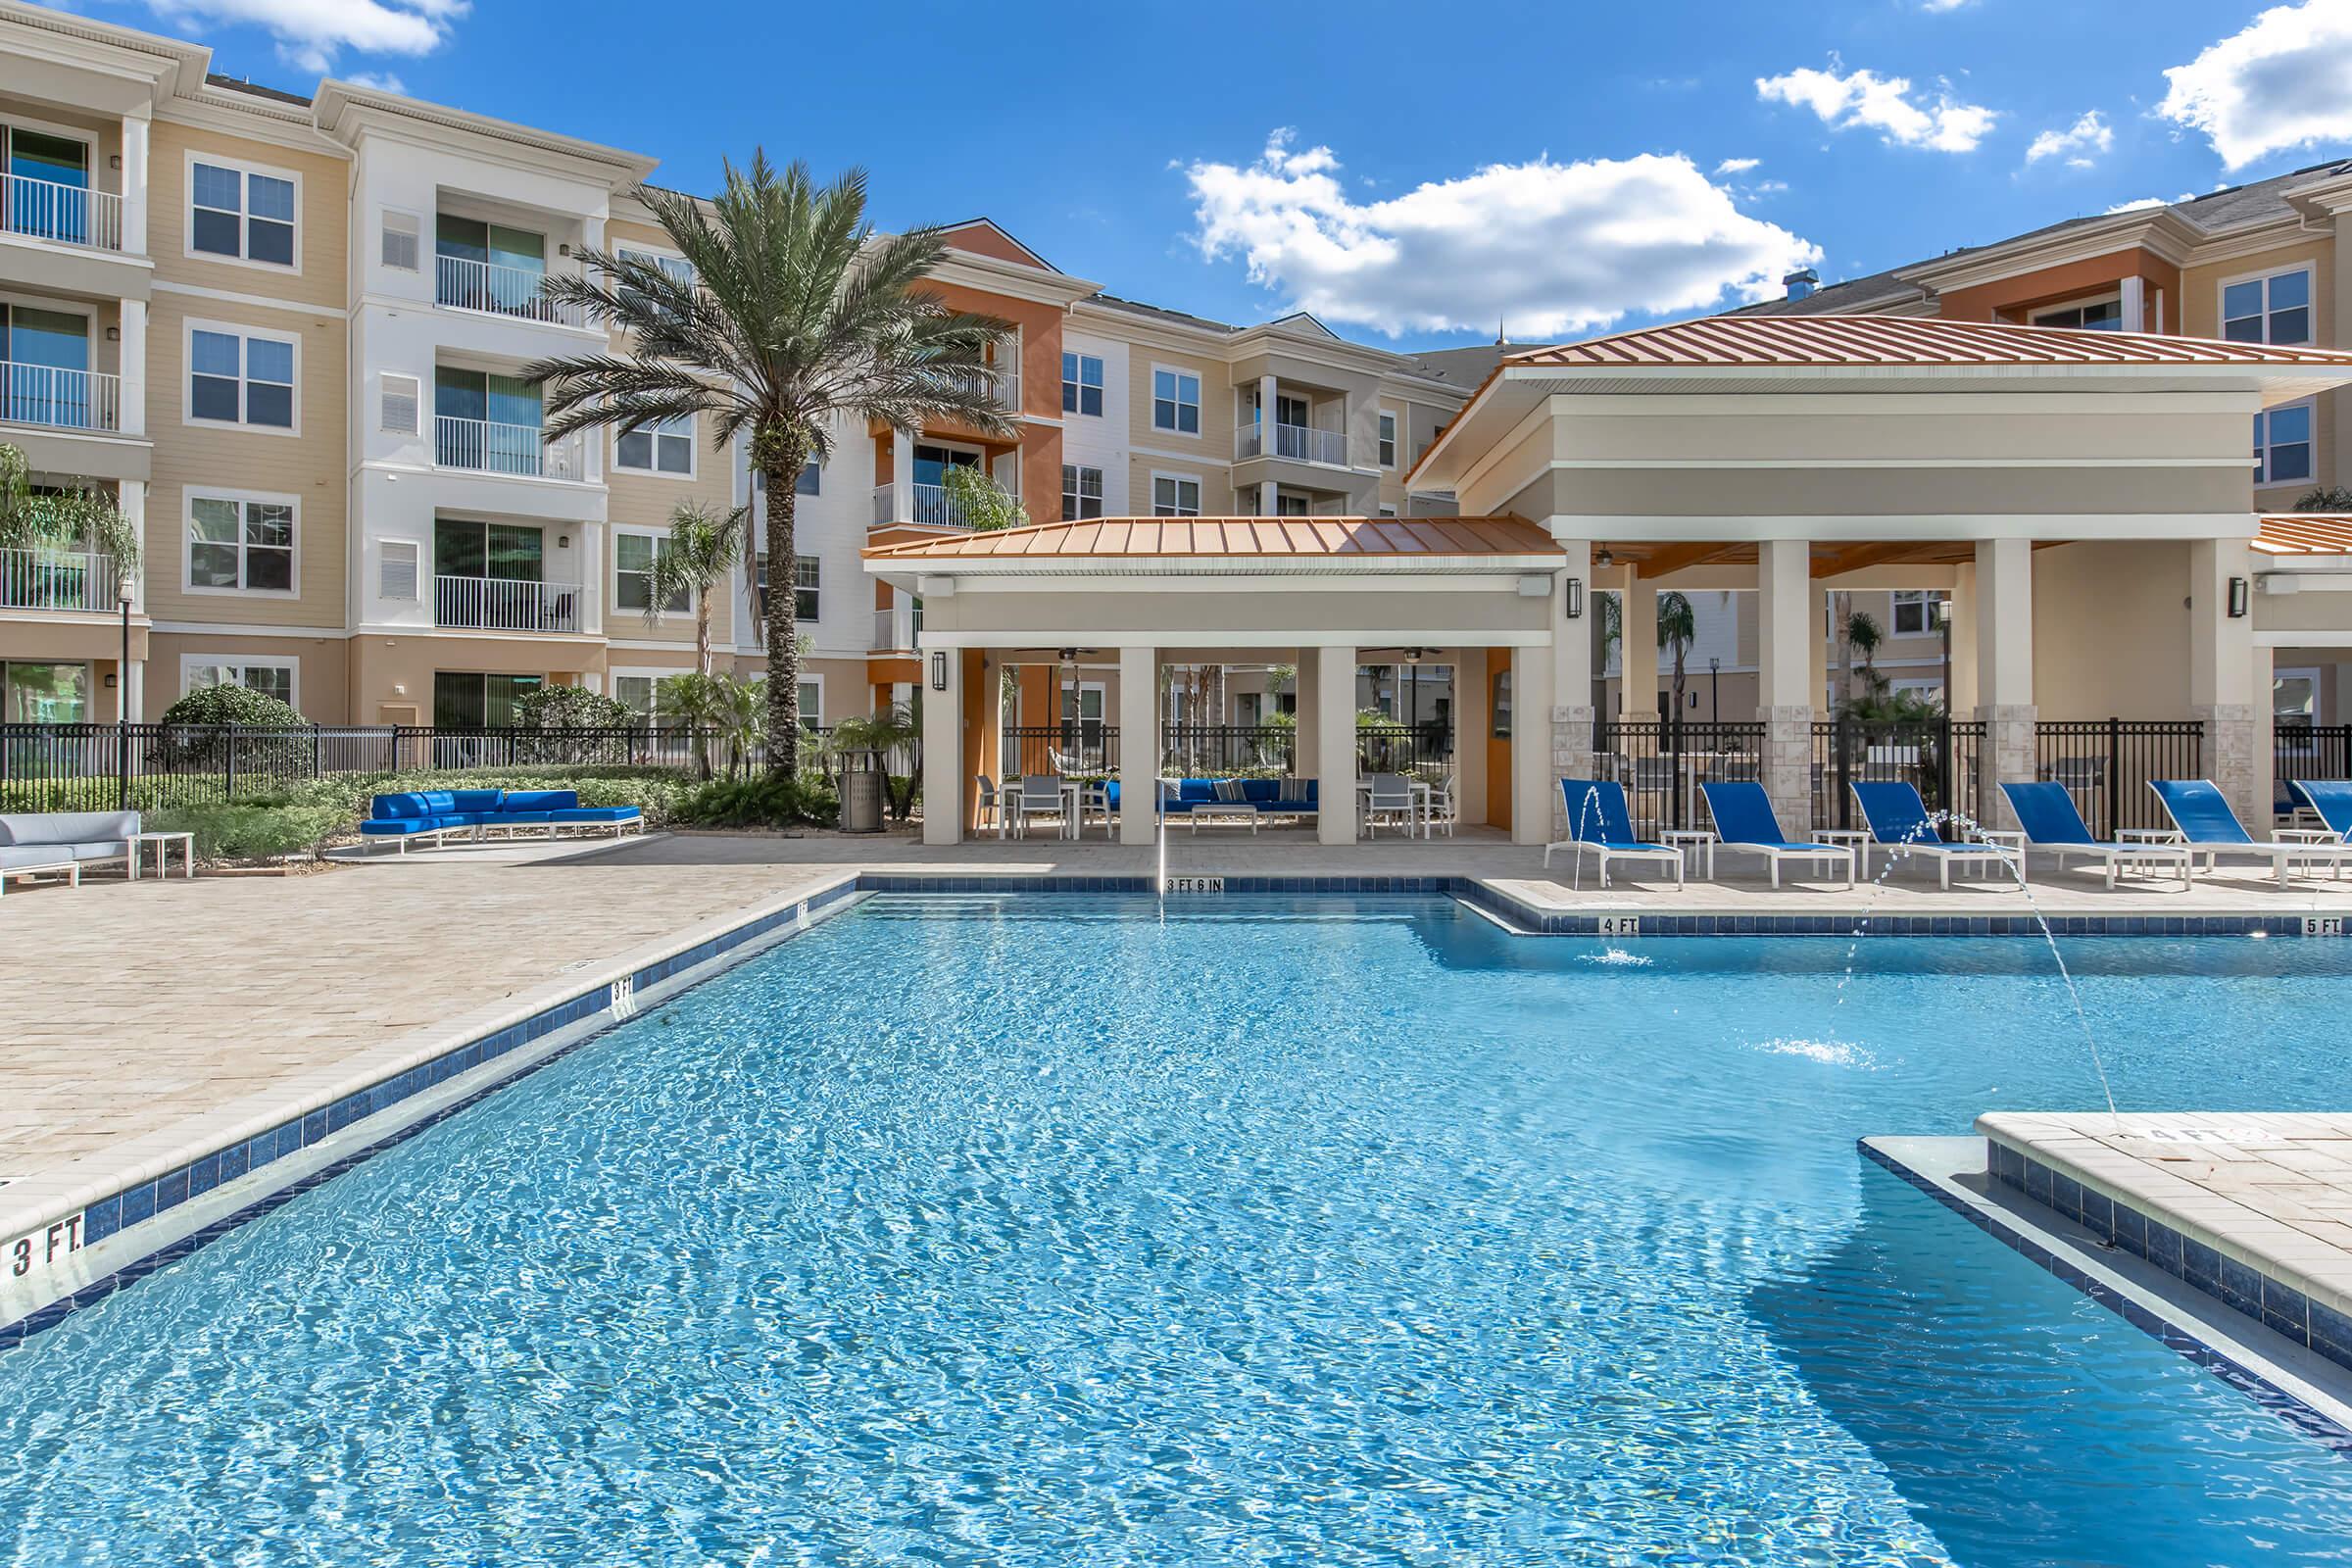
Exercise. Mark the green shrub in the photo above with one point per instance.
(656, 791)
(762, 801)
(899, 793)
(252, 830)
(233, 704)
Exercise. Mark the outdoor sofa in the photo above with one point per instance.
(434, 815)
(1245, 799)
(62, 841)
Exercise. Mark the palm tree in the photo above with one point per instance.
(1678, 629)
(68, 519)
(796, 321)
(1862, 635)
(701, 549)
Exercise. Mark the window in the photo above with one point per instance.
(810, 480)
(488, 266)
(1914, 612)
(275, 676)
(51, 176)
(465, 700)
(239, 378)
(1387, 439)
(1176, 402)
(500, 550)
(1173, 497)
(1387, 512)
(1081, 492)
(676, 267)
(2096, 315)
(1082, 384)
(664, 447)
(812, 701)
(2282, 444)
(635, 692)
(806, 573)
(48, 357)
(244, 214)
(1290, 506)
(1499, 705)
(2267, 310)
(633, 556)
(240, 544)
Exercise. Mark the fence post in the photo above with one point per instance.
(1944, 782)
(1842, 737)
(2115, 775)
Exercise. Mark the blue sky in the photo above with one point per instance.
(1410, 172)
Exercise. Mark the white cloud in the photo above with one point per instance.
(2278, 84)
(2077, 144)
(1883, 103)
(311, 33)
(2146, 202)
(1736, 165)
(1940, 5)
(380, 80)
(1550, 248)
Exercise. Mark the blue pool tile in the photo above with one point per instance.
(2331, 1332)
(2066, 1194)
(171, 1189)
(233, 1161)
(2164, 1248)
(2038, 1181)
(2099, 1215)
(2285, 1310)
(2242, 1284)
(102, 1219)
(138, 1203)
(2131, 1231)
(204, 1175)
(2201, 1266)
(314, 1128)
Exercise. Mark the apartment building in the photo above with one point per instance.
(286, 333)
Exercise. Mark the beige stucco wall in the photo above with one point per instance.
(399, 671)
(1927, 492)
(1211, 619)
(2110, 631)
(322, 673)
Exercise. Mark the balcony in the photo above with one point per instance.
(505, 603)
(1298, 443)
(483, 445)
(930, 505)
(61, 400)
(57, 579)
(898, 627)
(63, 214)
(461, 284)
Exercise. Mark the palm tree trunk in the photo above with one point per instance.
(780, 475)
(702, 630)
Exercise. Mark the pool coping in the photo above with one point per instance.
(65, 1238)
(2290, 1381)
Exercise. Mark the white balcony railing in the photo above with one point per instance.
(487, 447)
(505, 603)
(462, 283)
(929, 504)
(65, 400)
(57, 579)
(1297, 442)
(897, 627)
(68, 214)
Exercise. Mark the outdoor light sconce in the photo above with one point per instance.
(2238, 597)
(1576, 599)
(939, 670)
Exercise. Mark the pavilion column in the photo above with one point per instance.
(1138, 745)
(1571, 661)
(1304, 754)
(989, 744)
(1961, 615)
(943, 756)
(1334, 745)
(1537, 813)
(1638, 648)
(2266, 751)
(2221, 673)
(2004, 673)
(1785, 631)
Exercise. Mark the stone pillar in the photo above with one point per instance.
(1334, 745)
(1961, 701)
(1536, 811)
(2004, 672)
(1138, 745)
(1785, 631)
(943, 755)
(1638, 648)
(1571, 658)
(2221, 672)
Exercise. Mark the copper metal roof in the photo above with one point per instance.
(1237, 537)
(1845, 341)
(2305, 534)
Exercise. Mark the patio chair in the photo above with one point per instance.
(2052, 821)
(1445, 811)
(2210, 828)
(990, 807)
(1597, 822)
(1040, 796)
(1745, 821)
(1391, 796)
(1899, 823)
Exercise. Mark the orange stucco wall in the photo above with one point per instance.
(1498, 751)
(2010, 298)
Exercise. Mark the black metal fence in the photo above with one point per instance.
(2107, 763)
(1940, 757)
(1661, 763)
(1068, 751)
(1227, 750)
(1219, 751)
(2307, 750)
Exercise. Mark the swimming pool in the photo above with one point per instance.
(1030, 1230)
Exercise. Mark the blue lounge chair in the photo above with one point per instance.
(2210, 828)
(1598, 821)
(2327, 799)
(2052, 822)
(1899, 823)
(1745, 820)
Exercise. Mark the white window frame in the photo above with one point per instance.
(1078, 474)
(1100, 384)
(2310, 306)
(244, 334)
(2262, 479)
(189, 495)
(64, 307)
(245, 168)
(1393, 440)
(189, 663)
(659, 538)
(1200, 401)
(1199, 492)
(1898, 598)
(816, 680)
(2112, 296)
(818, 562)
(654, 434)
(646, 672)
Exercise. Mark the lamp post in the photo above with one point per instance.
(1715, 691)
(126, 588)
(1943, 624)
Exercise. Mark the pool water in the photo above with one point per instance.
(1036, 1231)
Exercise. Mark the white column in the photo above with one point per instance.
(131, 499)
(2264, 750)
(1638, 648)
(902, 476)
(1534, 788)
(1786, 630)
(943, 753)
(588, 546)
(1305, 748)
(2221, 672)
(1265, 415)
(133, 365)
(133, 683)
(2004, 672)
(1961, 701)
(1571, 656)
(2134, 306)
(135, 183)
(1334, 745)
(1138, 745)
(1265, 499)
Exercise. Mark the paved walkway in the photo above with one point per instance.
(139, 1008)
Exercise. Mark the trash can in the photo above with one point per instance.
(862, 781)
